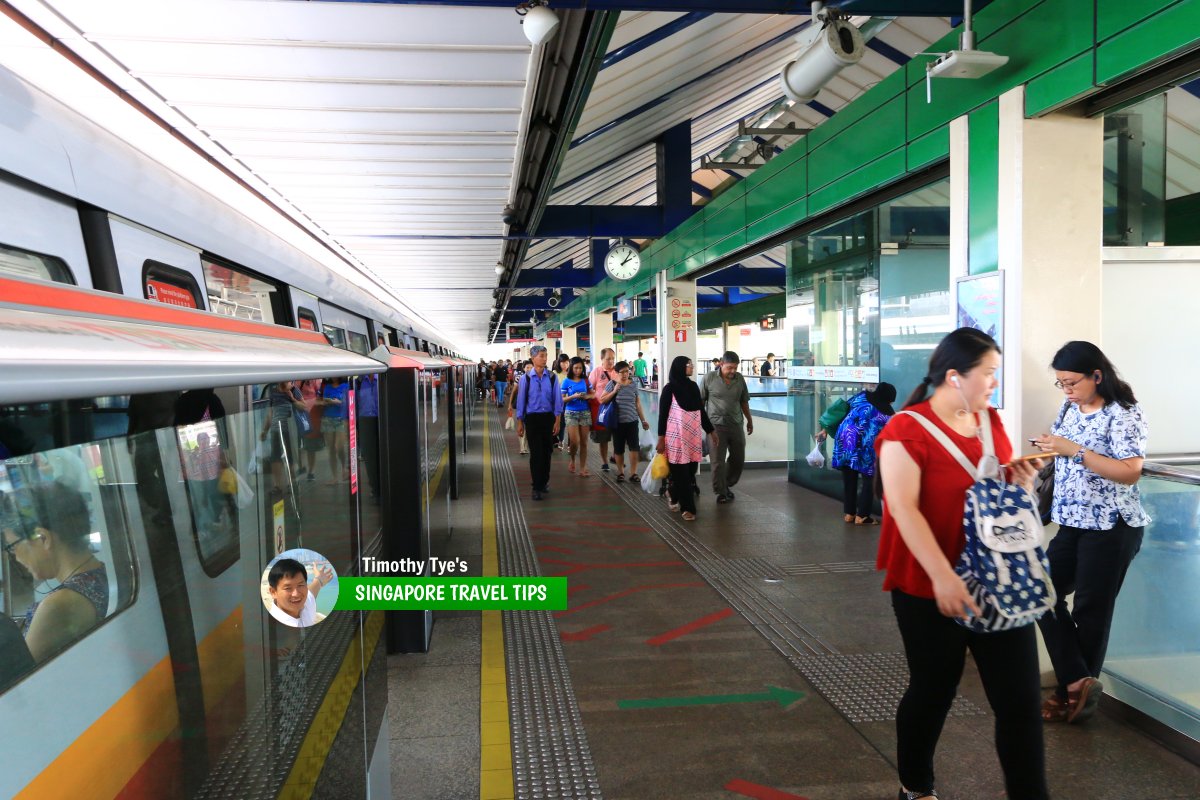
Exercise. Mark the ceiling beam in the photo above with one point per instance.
(881, 8)
(746, 276)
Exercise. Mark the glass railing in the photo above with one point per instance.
(1154, 649)
(768, 407)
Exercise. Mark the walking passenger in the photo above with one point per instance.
(600, 378)
(577, 414)
(854, 450)
(500, 379)
(1099, 444)
(539, 406)
(522, 367)
(768, 367)
(624, 393)
(920, 541)
(639, 370)
(560, 372)
(727, 401)
(681, 416)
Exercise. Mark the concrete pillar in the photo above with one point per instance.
(676, 321)
(567, 342)
(733, 340)
(600, 333)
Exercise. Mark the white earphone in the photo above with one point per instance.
(954, 380)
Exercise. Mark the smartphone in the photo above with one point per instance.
(1031, 456)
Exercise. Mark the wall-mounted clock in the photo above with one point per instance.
(623, 261)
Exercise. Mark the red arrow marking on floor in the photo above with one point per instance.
(624, 593)
(574, 567)
(688, 628)
(585, 634)
(573, 589)
(601, 545)
(759, 792)
(541, 526)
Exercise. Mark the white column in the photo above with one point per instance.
(733, 340)
(567, 342)
(676, 322)
(1050, 232)
(600, 333)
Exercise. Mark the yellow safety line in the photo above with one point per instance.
(495, 745)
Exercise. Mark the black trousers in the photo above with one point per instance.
(936, 647)
(1092, 564)
(864, 491)
(682, 487)
(539, 433)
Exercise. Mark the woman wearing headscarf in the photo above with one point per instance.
(854, 450)
(681, 418)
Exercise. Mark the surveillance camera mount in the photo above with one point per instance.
(966, 62)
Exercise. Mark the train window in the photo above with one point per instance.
(337, 337)
(67, 565)
(212, 484)
(359, 343)
(306, 319)
(170, 285)
(238, 294)
(25, 264)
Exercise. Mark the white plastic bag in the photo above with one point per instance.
(509, 424)
(816, 458)
(650, 484)
(245, 495)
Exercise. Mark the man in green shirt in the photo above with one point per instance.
(639, 370)
(727, 401)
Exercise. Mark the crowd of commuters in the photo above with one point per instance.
(1095, 446)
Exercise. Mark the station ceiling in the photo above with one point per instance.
(396, 128)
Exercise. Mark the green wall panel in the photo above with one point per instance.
(873, 136)
(782, 219)
(1114, 16)
(1171, 30)
(1063, 83)
(779, 191)
(983, 181)
(727, 221)
(929, 149)
(726, 246)
(859, 182)
(890, 87)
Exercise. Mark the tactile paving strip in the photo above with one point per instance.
(551, 758)
(863, 687)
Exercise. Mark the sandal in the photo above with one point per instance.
(689, 516)
(571, 467)
(634, 478)
(673, 506)
(620, 477)
(847, 518)
(585, 473)
(865, 521)
(1084, 701)
(1055, 709)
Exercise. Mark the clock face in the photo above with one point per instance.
(622, 262)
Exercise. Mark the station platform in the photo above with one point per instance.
(750, 653)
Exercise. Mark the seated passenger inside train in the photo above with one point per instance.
(293, 596)
(45, 530)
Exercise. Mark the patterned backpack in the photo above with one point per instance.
(1002, 563)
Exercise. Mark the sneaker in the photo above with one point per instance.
(604, 467)
(312, 478)
(907, 795)
(722, 499)
(729, 494)
(537, 495)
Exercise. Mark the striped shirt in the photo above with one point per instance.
(626, 401)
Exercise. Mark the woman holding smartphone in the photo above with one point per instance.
(921, 539)
(1099, 444)
(577, 414)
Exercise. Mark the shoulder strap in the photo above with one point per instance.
(944, 441)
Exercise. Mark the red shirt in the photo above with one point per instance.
(944, 485)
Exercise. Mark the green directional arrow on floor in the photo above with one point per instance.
(773, 694)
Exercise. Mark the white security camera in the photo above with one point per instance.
(555, 299)
(539, 25)
(823, 55)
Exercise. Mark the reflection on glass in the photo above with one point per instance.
(238, 294)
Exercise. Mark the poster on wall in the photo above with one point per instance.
(980, 303)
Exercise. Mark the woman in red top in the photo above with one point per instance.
(920, 541)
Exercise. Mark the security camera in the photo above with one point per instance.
(539, 23)
(824, 52)
(555, 299)
(509, 215)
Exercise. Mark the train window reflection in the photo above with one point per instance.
(237, 294)
(25, 264)
(67, 565)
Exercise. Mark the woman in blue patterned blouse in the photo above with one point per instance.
(1099, 443)
(854, 450)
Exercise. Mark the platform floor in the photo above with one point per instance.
(750, 653)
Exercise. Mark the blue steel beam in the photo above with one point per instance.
(565, 277)
(702, 190)
(746, 276)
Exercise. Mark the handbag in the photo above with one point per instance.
(1002, 564)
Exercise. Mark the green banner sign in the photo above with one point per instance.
(451, 594)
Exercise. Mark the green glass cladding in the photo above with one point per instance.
(1062, 49)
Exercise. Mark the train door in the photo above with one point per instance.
(157, 267)
(40, 235)
(306, 310)
(348, 331)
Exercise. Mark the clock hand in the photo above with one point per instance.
(626, 259)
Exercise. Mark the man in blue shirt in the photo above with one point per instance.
(539, 409)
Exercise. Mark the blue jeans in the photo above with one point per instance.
(500, 385)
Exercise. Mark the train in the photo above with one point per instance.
(150, 443)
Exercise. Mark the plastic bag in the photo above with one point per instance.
(816, 458)
(649, 483)
(510, 424)
(245, 495)
(659, 468)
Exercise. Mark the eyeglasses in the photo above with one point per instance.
(1064, 385)
(11, 546)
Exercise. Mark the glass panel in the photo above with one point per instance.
(359, 343)
(24, 264)
(1154, 647)
(337, 336)
(237, 294)
(1135, 173)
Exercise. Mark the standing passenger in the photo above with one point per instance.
(539, 405)
(920, 541)
(681, 416)
(639, 370)
(1099, 444)
(854, 450)
(768, 366)
(727, 401)
(629, 412)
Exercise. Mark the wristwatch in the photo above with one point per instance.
(1078, 457)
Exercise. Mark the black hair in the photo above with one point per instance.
(571, 368)
(639, 353)
(620, 365)
(961, 351)
(1087, 359)
(285, 568)
(54, 506)
(730, 357)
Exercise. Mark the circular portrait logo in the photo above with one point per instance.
(299, 587)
